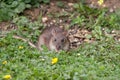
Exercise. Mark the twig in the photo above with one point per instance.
(25, 40)
(2, 35)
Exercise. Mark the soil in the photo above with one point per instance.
(50, 18)
(112, 5)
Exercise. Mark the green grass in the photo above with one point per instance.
(99, 60)
(96, 61)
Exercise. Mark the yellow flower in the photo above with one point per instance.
(7, 77)
(100, 2)
(20, 47)
(54, 60)
(4, 62)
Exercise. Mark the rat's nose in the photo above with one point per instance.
(59, 47)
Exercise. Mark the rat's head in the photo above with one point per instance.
(59, 40)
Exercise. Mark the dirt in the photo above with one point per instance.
(50, 17)
(112, 5)
(33, 14)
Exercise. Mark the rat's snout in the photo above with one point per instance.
(59, 47)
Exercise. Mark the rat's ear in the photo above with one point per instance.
(54, 32)
(65, 33)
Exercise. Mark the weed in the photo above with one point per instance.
(11, 8)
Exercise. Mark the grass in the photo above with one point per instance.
(99, 60)
(96, 61)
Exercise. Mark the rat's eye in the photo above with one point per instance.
(63, 40)
(55, 39)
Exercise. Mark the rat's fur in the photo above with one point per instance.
(54, 38)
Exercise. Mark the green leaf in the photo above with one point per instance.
(20, 7)
(28, 6)
(14, 4)
(46, 1)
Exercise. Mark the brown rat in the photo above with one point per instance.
(54, 38)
